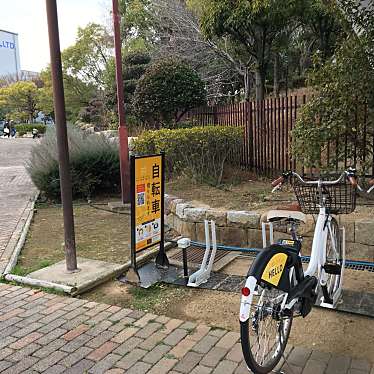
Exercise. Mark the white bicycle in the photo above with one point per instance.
(277, 288)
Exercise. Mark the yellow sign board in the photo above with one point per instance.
(147, 201)
(274, 269)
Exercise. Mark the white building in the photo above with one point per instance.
(9, 54)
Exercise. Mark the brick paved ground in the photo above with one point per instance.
(16, 191)
(45, 333)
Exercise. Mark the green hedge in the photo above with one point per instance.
(23, 129)
(94, 164)
(199, 152)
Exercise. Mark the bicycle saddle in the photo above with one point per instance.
(277, 215)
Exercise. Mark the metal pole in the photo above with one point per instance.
(61, 133)
(122, 129)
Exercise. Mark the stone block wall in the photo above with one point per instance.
(243, 228)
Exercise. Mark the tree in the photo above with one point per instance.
(251, 26)
(137, 24)
(167, 90)
(341, 114)
(87, 59)
(169, 28)
(322, 27)
(180, 36)
(93, 112)
(84, 66)
(20, 100)
(134, 65)
(45, 94)
(77, 94)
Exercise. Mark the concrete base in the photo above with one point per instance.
(92, 273)
(119, 206)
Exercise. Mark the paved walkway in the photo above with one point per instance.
(16, 193)
(45, 333)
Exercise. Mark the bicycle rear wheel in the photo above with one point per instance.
(264, 336)
(334, 261)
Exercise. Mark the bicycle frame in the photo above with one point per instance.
(318, 254)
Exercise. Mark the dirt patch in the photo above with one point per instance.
(100, 235)
(160, 299)
(250, 193)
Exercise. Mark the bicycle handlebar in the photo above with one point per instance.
(319, 182)
(350, 174)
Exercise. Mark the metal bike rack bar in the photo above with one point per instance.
(203, 274)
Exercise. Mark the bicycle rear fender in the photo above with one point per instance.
(273, 264)
(271, 267)
(246, 301)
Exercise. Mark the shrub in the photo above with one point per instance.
(181, 125)
(166, 91)
(94, 164)
(25, 128)
(199, 152)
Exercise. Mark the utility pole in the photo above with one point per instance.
(122, 129)
(62, 139)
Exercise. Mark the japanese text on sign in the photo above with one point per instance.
(148, 202)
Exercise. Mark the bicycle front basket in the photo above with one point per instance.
(339, 198)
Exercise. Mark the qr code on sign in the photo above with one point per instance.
(141, 198)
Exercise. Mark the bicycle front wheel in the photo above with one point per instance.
(264, 336)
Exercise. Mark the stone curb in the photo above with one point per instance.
(21, 233)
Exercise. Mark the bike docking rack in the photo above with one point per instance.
(207, 275)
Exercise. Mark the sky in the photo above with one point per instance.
(28, 19)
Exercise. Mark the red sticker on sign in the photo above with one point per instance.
(140, 188)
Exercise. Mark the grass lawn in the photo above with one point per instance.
(100, 235)
(105, 235)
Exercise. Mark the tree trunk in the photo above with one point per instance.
(260, 84)
(276, 75)
(287, 80)
(247, 84)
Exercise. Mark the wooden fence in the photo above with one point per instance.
(267, 142)
(267, 131)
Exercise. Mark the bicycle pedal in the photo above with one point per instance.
(331, 268)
